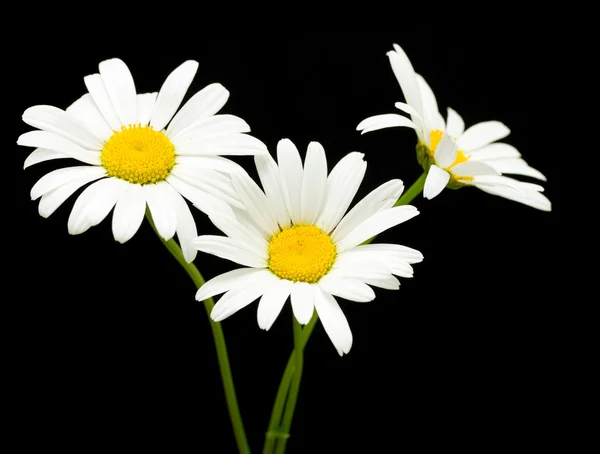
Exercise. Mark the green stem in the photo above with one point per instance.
(221, 347)
(413, 191)
(290, 405)
(274, 432)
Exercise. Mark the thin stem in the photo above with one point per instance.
(274, 431)
(413, 191)
(221, 347)
(290, 406)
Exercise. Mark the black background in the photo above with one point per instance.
(111, 348)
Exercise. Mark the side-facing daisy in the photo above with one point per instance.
(139, 161)
(296, 242)
(452, 156)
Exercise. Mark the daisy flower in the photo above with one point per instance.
(455, 157)
(139, 153)
(295, 241)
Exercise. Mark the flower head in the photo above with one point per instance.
(452, 156)
(139, 151)
(296, 240)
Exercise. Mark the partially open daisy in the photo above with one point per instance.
(124, 139)
(295, 241)
(452, 156)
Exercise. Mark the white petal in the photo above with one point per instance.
(350, 289)
(314, 183)
(494, 151)
(54, 142)
(41, 155)
(229, 249)
(389, 282)
(376, 224)
(224, 144)
(404, 72)
(501, 181)
(272, 302)
(268, 172)
(85, 110)
(186, 229)
(222, 283)
(57, 121)
(342, 184)
(240, 232)
(482, 134)
(209, 181)
(95, 86)
(403, 252)
(129, 213)
(384, 121)
(94, 204)
(171, 94)
(472, 168)
(203, 104)
(145, 106)
(533, 199)
(237, 299)
(385, 196)
(516, 166)
(410, 110)
(256, 203)
(218, 125)
(303, 301)
(334, 321)
(446, 151)
(290, 175)
(51, 200)
(217, 163)
(65, 175)
(436, 181)
(159, 198)
(205, 202)
(120, 88)
(455, 125)
(431, 114)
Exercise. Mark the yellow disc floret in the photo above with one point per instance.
(435, 138)
(138, 154)
(301, 253)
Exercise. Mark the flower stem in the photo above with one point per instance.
(221, 347)
(275, 431)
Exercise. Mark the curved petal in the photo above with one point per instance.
(446, 151)
(436, 181)
(455, 125)
(303, 301)
(229, 249)
(238, 298)
(431, 114)
(347, 288)
(209, 181)
(410, 110)
(58, 177)
(334, 321)
(120, 88)
(95, 86)
(217, 163)
(272, 302)
(217, 125)
(205, 202)
(472, 168)
(516, 166)
(159, 198)
(129, 213)
(290, 174)
(256, 203)
(54, 142)
(85, 110)
(268, 173)
(240, 232)
(342, 184)
(385, 196)
(482, 134)
(223, 144)
(405, 74)
(51, 200)
(222, 283)
(186, 228)
(384, 121)
(145, 106)
(203, 104)
(57, 121)
(314, 183)
(171, 94)
(495, 150)
(41, 155)
(376, 224)
(533, 199)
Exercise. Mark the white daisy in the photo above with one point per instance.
(139, 161)
(296, 242)
(455, 157)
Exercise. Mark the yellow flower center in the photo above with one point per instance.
(301, 253)
(138, 154)
(435, 138)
